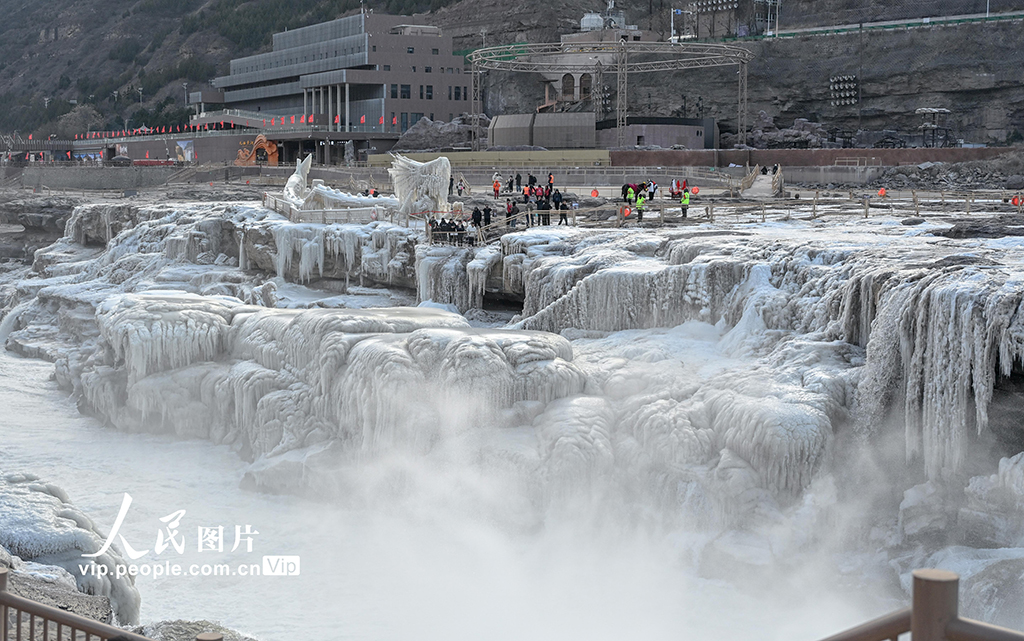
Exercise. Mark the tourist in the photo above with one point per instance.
(519, 182)
(562, 216)
(556, 198)
(497, 188)
(652, 187)
(531, 180)
(451, 184)
(508, 187)
(487, 215)
(551, 180)
(684, 202)
(630, 193)
(625, 193)
(477, 216)
(641, 200)
(462, 185)
(514, 213)
(508, 213)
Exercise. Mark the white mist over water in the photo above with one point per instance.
(428, 561)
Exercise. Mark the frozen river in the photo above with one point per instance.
(424, 566)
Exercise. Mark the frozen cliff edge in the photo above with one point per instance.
(270, 381)
(943, 322)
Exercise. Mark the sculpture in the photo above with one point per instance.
(295, 189)
(420, 186)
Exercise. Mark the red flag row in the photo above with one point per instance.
(275, 121)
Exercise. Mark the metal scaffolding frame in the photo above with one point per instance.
(741, 109)
(629, 56)
(621, 103)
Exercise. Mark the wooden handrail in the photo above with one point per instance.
(749, 179)
(49, 614)
(889, 626)
(933, 616)
(970, 630)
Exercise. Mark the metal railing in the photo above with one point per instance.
(934, 616)
(22, 618)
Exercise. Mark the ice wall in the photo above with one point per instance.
(940, 325)
(272, 381)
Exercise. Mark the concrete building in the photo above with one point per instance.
(362, 73)
(689, 133)
(580, 131)
(549, 130)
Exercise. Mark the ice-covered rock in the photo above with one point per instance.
(39, 524)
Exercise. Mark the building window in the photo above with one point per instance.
(450, 70)
(393, 121)
(373, 48)
(450, 118)
(442, 69)
(421, 92)
(458, 93)
(427, 69)
(449, 92)
(387, 67)
(414, 68)
(406, 92)
(430, 95)
(405, 122)
(431, 115)
(465, 93)
(411, 50)
(394, 91)
(457, 70)
(435, 51)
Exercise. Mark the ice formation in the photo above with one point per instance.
(38, 523)
(940, 325)
(420, 186)
(271, 381)
(718, 370)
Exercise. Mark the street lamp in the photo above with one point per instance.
(140, 95)
(185, 85)
(672, 22)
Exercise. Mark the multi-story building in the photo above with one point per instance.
(362, 73)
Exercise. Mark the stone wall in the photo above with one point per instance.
(96, 177)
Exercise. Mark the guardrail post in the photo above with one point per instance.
(814, 212)
(865, 207)
(935, 604)
(3, 608)
(917, 209)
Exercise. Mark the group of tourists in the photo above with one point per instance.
(449, 230)
(640, 194)
(538, 212)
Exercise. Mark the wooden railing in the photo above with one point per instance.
(28, 620)
(933, 616)
(749, 179)
(778, 182)
(22, 618)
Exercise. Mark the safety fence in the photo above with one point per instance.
(933, 616)
(22, 618)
